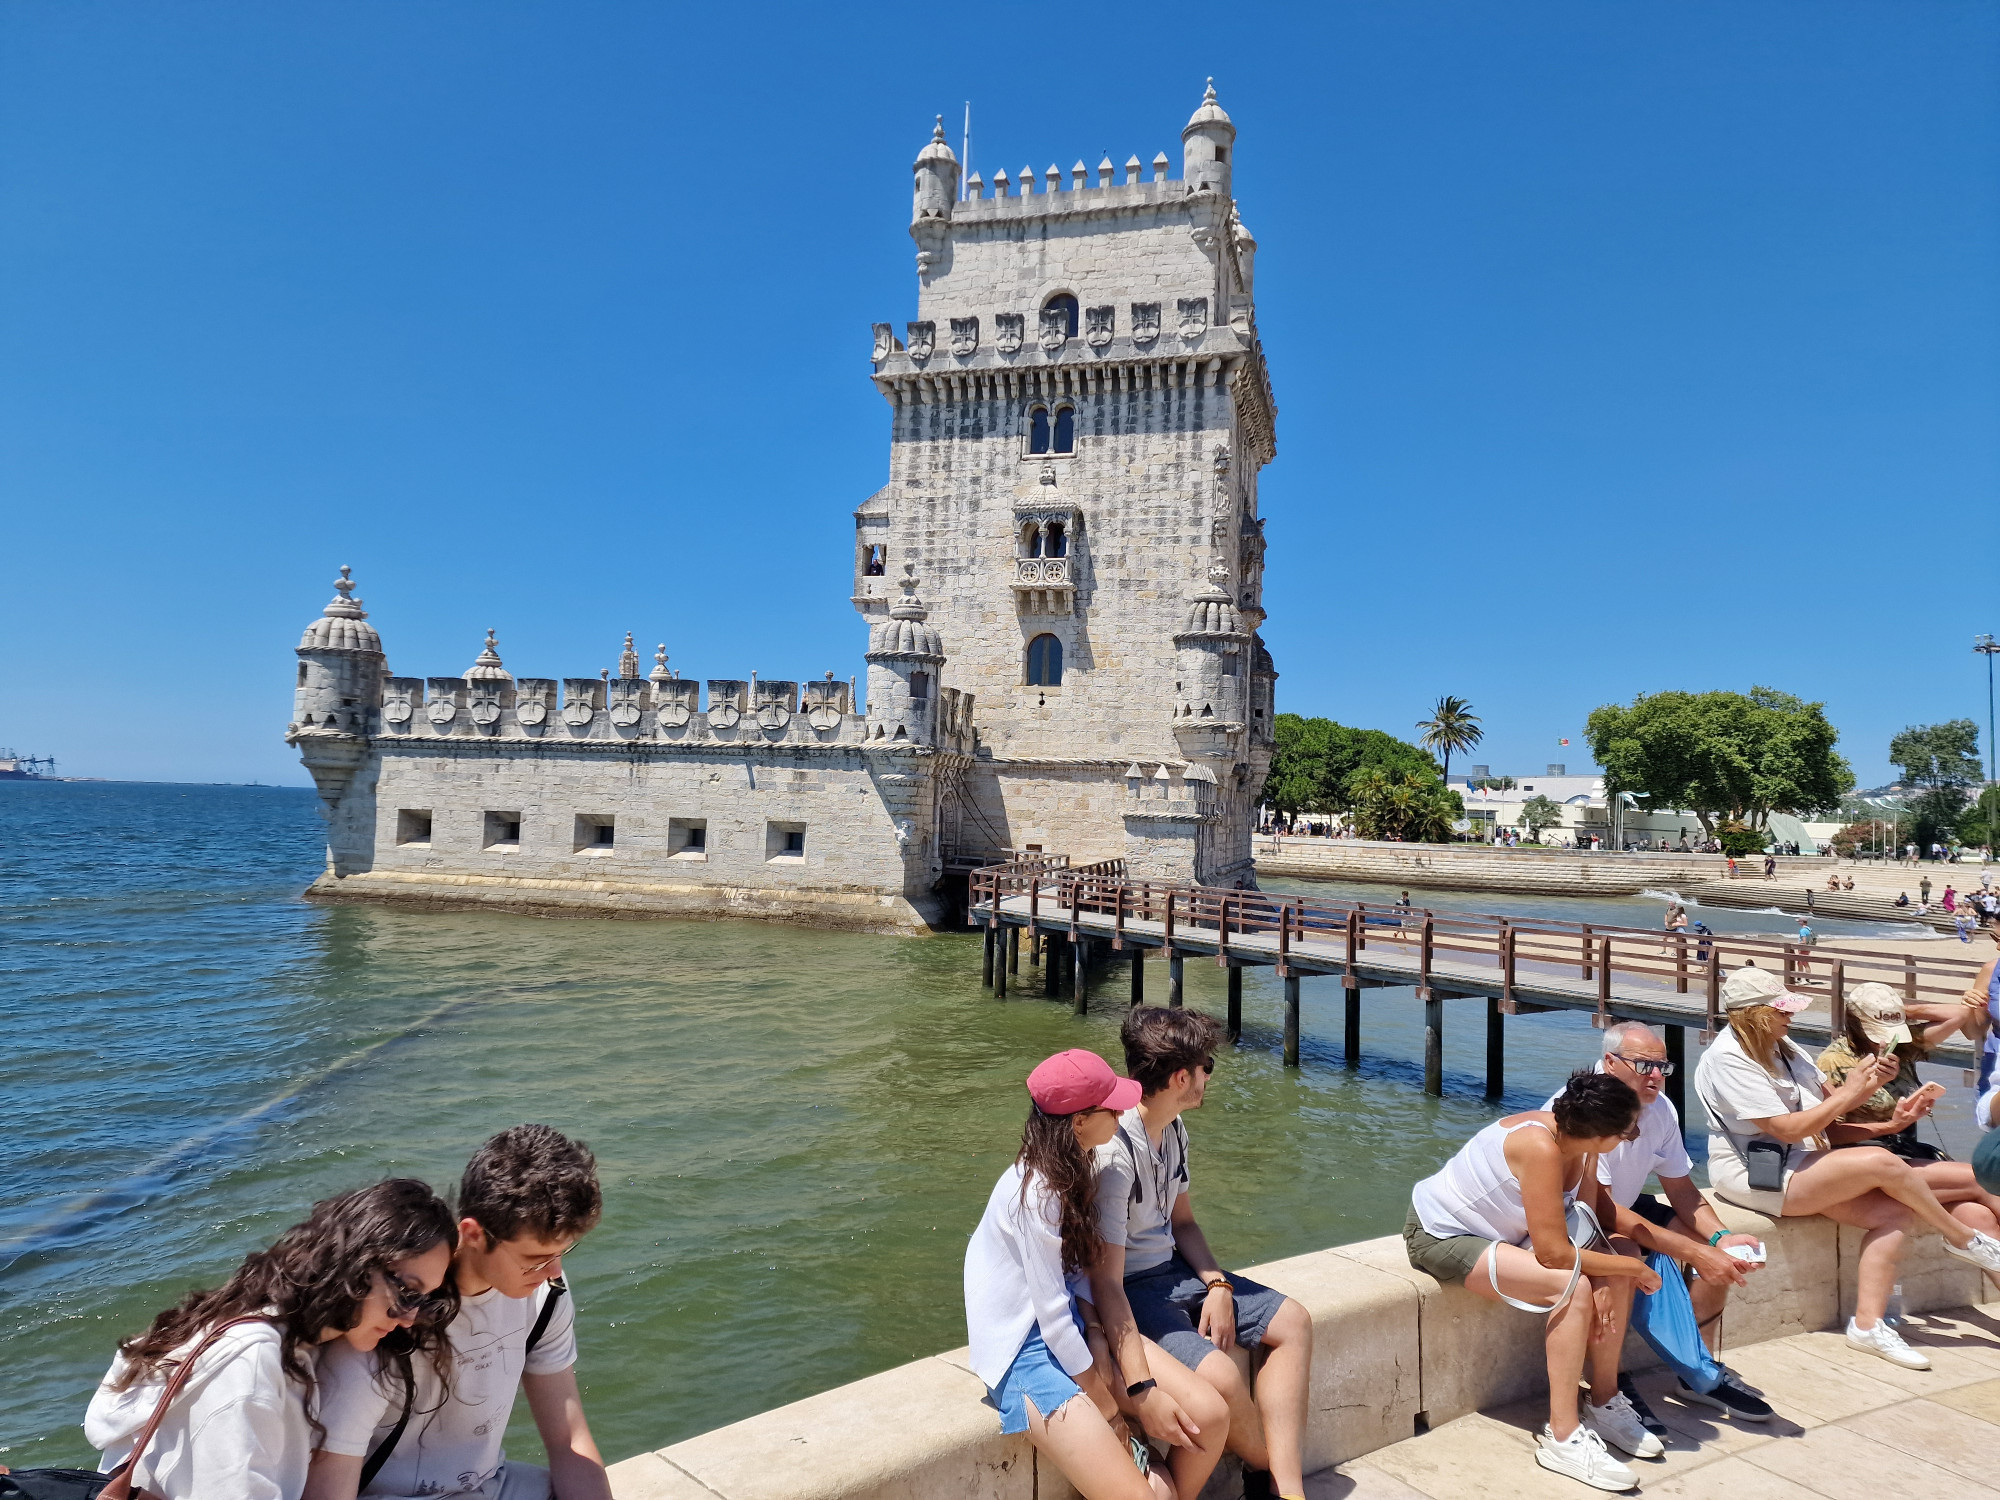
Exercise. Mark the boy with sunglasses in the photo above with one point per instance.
(1155, 1277)
(528, 1195)
(1686, 1228)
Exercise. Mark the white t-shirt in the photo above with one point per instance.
(450, 1447)
(1014, 1281)
(1659, 1148)
(1735, 1090)
(1137, 1188)
(236, 1431)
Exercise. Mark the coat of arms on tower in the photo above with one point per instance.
(626, 709)
(1194, 317)
(1097, 325)
(532, 707)
(923, 338)
(1145, 322)
(579, 702)
(1055, 328)
(1008, 332)
(396, 706)
(442, 711)
(483, 701)
(885, 342)
(964, 336)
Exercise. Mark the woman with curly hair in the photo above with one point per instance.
(368, 1266)
(1027, 1262)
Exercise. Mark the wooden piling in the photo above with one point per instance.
(1677, 1080)
(1000, 969)
(1174, 978)
(1433, 1044)
(1235, 1002)
(1138, 975)
(1013, 950)
(1292, 1020)
(986, 941)
(1351, 1039)
(1496, 1050)
(1079, 975)
(1052, 952)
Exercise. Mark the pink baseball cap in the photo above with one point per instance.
(1077, 1080)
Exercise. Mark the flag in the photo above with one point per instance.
(1562, 742)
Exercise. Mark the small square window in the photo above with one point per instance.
(596, 833)
(687, 838)
(413, 827)
(785, 841)
(503, 832)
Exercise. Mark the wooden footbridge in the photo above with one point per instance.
(1517, 965)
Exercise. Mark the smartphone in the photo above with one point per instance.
(1748, 1254)
(1930, 1093)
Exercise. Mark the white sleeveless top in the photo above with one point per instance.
(1476, 1192)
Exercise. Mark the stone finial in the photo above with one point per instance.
(605, 673)
(1054, 175)
(488, 667)
(343, 605)
(1160, 167)
(1077, 176)
(660, 672)
(909, 607)
(1000, 183)
(1209, 113)
(1027, 179)
(1105, 171)
(1134, 169)
(628, 659)
(975, 186)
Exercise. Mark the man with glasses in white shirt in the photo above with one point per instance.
(1687, 1228)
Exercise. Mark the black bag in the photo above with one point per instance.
(53, 1484)
(1765, 1161)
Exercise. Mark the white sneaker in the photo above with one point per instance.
(1619, 1425)
(1983, 1252)
(1885, 1341)
(1582, 1455)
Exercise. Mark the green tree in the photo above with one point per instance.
(1313, 761)
(1736, 757)
(1452, 726)
(1403, 806)
(1935, 755)
(1540, 812)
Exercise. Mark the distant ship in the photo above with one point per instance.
(15, 767)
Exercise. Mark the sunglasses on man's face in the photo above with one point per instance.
(1645, 1065)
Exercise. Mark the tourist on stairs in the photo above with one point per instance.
(1033, 1247)
(365, 1267)
(1767, 1150)
(1156, 1279)
(527, 1196)
(1515, 1216)
(1684, 1227)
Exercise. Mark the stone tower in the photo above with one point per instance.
(337, 701)
(1079, 413)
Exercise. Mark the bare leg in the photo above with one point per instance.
(1282, 1389)
(1978, 1216)
(1887, 1223)
(1567, 1338)
(1200, 1400)
(1080, 1442)
(1612, 1310)
(1839, 1176)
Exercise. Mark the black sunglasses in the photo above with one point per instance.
(405, 1299)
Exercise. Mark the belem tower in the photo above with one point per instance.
(1062, 585)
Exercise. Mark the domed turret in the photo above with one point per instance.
(904, 654)
(1212, 655)
(1206, 142)
(337, 700)
(343, 624)
(934, 193)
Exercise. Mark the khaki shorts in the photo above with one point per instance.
(1448, 1259)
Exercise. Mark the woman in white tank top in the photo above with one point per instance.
(1497, 1216)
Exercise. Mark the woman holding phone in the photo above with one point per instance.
(1769, 1114)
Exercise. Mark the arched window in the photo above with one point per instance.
(1058, 543)
(1045, 662)
(877, 562)
(1065, 304)
(1031, 540)
(1038, 430)
(1065, 429)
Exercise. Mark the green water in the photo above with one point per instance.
(796, 1129)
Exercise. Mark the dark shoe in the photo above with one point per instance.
(1730, 1399)
(1257, 1485)
(1640, 1409)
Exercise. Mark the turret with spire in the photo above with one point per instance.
(337, 700)
(904, 655)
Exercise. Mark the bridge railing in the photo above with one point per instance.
(1344, 932)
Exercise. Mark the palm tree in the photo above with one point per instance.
(1452, 726)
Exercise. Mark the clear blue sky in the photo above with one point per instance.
(1617, 347)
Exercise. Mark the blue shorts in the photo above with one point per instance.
(1166, 1304)
(1035, 1375)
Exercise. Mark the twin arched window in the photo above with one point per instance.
(1052, 432)
(1045, 662)
(1048, 540)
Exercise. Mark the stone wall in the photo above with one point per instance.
(1478, 867)
(1390, 1345)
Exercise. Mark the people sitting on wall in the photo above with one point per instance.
(1686, 1228)
(1880, 1024)
(1029, 1258)
(366, 1266)
(1155, 1278)
(1768, 1151)
(1516, 1215)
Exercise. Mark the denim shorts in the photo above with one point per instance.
(1035, 1375)
(1166, 1304)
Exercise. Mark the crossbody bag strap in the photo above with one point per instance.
(120, 1487)
(388, 1444)
(556, 1289)
(1578, 1238)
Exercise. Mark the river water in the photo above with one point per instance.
(796, 1130)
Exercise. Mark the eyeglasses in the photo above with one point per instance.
(406, 1300)
(533, 1267)
(1644, 1065)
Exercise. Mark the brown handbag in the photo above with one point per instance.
(120, 1487)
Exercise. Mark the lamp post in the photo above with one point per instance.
(1987, 647)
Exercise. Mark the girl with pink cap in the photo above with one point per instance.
(1029, 1256)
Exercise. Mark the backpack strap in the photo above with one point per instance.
(556, 1289)
(388, 1444)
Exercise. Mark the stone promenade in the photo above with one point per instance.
(1849, 1427)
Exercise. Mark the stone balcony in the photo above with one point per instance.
(1045, 585)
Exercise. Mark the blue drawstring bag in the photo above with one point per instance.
(1665, 1320)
